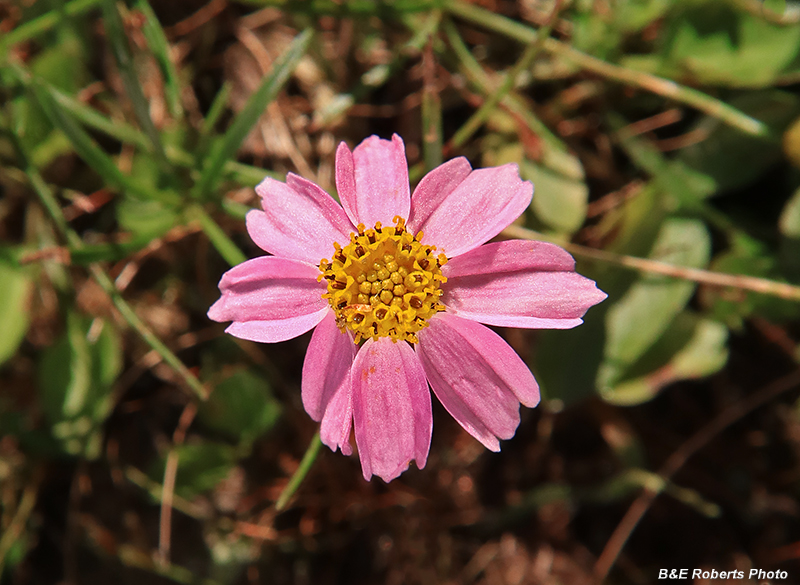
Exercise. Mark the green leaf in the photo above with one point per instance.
(672, 177)
(558, 201)
(734, 159)
(83, 144)
(201, 466)
(715, 44)
(750, 257)
(639, 318)
(226, 148)
(789, 225)
(14, 310)
(146, 218)
(789, 222)
(691, 348)
(567, 360)
(75, 380)
(45, 22)
(631, 16)
(241, 406)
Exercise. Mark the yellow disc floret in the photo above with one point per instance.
(384, 283)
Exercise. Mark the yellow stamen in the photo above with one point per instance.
(384, 283)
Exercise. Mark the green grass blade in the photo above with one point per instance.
(44, 23)
(226, 148)
(663, 87)
(87, 115)
(218, 238)
(431, 106)
(115, 33)
(80, 140)
(216, 109)
(157, 41)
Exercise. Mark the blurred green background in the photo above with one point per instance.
(140, 444)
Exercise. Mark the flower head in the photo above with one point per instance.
(398, 286)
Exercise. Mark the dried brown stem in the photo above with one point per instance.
(168, 492)
(760, 285)
(677, 460)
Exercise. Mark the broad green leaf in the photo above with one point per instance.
(146, 217)
(789, 222)
(560, 193)
(789, 225)
(734, 159)
(241, 406)
(201, 466)
(62, 65)
(631, 16)
(567, 360)
(149, 217)
(776, 6)
(558, 202)
(226, 148)
(673, 178)
(691, 348)
(14, 310)
(639, 318)
(715, 44)
(75, 380)
(750, 257)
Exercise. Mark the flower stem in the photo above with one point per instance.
(300, 474)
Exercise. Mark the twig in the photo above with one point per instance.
(523, 64)
(198, 19)
(760, 285)
(15, 528)
(677, 460)
(170, 473)
(655, 122)
(658, 85)
(155, 489)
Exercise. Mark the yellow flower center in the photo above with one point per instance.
(384, 283)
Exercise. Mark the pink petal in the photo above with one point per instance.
(519, 283)
(275, 331)
(478, 378)
(335, 428)
(391, 409)
(434, 188)
(372, 181)
(457, 219)
(327, 390)
(270, 299)
(299, 221)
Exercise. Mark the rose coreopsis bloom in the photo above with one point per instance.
(398, 286)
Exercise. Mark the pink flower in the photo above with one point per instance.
(397, 286)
